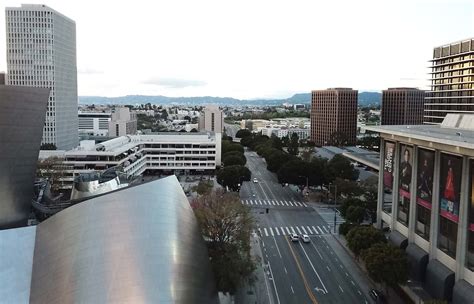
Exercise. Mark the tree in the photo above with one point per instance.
(285, 140)
(307, 155)
(386, 264)
(293, 172)
(355, 214)
(276, 159)
(243, 133)
(348, 188)
(341, 167)
(48, 146)
(233, 160)
(232, 176)
(276, 142)
(187, 118)
(228, 146)
(349, 202)
(345, 227)
(363, 237)
(226, 225)
(339, 139)
(235, 154)
(164, 115)
(203, 188)
(294, 144)
(182, 131)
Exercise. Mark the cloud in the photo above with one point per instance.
(89, 71)
(174, 83)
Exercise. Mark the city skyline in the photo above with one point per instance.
(255, 50)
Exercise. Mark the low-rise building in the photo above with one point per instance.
(94, 123)
(165, 153)
(426, 199)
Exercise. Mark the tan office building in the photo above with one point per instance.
(402, 106)
(334, 116)
(452, 80)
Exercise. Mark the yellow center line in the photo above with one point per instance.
(305, 282)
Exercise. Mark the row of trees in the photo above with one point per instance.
(316, 171)
(385, 263)
(233, 172)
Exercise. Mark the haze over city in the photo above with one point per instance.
(248, 49)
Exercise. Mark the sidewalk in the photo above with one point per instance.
(256, 292)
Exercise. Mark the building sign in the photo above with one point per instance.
(406, 154)
(388, 164)
(424, 188)
(450, 186)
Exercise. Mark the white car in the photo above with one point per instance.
(305, 238)
(255, 180)
(294, 237)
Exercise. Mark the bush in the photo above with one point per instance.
(364, 237)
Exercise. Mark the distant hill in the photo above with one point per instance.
(365, 99)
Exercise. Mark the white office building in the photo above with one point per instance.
(94, 123)
(41, 52)
(164, 153)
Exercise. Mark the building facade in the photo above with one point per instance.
(303, 134)
(212, 119)
(19, 147)
(402, 106)
(123, 122)
(334, 116)
(426, 199)
(164, 153)
(94, 123)
(41, 52)
(452, 81)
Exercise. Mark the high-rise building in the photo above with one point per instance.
(402, 106)
(211, 120)
(334, 116)
(41, 52)
(123, 122)
(452, 81)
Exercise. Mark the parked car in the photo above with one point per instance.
(305, 238)
(255, 180)
(294, 237)
(377, 296)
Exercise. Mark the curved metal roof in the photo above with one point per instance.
(136, 245)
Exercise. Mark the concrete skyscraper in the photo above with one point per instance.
(402, 106)
(334, 116)
(452, 81)
(211, 119)
(41, 52)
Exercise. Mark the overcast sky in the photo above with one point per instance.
(255, 48)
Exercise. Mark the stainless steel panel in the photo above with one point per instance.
(22, 116)
(137, 245)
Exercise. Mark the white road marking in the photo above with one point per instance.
(282, 231)
(292, 230)
(298, 204)
(319, 253)
(277, 231)
(347, 274)
(352, 282)
(342, 290)
(291, 204)
(310, 263)
(288, 230)
(292, 289)
(278, 249)
(322, 232)
(305, 205)
(251, 202)
(260, 230)
(329, 269)
(359, 292)
(271, 231)
(264, 202)
(309, 229)
(315, 230)
(266, 233)
(304, 230)
(285, 269)
(299, 232)
(326, 229)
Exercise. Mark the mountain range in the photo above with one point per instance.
(365, 99)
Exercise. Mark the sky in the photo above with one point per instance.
(255, 48)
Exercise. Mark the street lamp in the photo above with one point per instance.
(335, 198)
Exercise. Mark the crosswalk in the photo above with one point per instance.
(287, 230)
(280, 203)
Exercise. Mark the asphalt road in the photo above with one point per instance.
(315, 272)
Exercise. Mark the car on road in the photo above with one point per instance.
(294, 237)
(255, 180)
(305, 238)
(377, 296)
